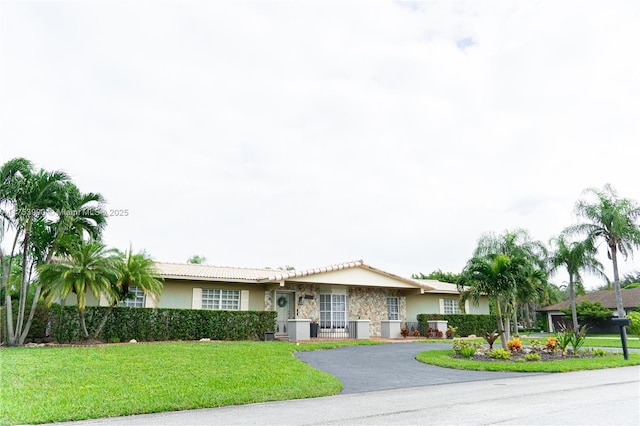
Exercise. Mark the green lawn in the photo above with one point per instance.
(442, 358)
(53, 384)
(609, 341)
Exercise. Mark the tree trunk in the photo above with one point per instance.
(103, 321)
(515, 321)
(572, 297)
(27, 326)
(500, 324)
(22, 301)
(616, 287)
(83, 326)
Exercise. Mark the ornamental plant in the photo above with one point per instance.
(467, 351)
(552, 344)
(514, 345)
(416, 333)
(500, 354)
(459, 345)
(535, 345)
(532, 357)
(404, 332)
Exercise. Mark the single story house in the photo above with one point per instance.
(332, 295)
(630, 300)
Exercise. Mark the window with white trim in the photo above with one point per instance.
(450, 306)
(393, 308)
(137, 299)
(333, 311)
(220, 300)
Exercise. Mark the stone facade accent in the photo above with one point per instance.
(363, 303)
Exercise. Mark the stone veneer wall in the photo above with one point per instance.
(371, 304)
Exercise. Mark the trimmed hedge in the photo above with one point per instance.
(465, 324)
(147, 324)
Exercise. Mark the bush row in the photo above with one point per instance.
(465, 324)
(146, 324)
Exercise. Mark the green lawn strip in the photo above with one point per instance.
(632, 342)
(442, 358)
(53, 384)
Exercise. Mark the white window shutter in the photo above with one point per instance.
(196, 300)
(103, 300)
(466, 306)
(244, 300)
(149, 301)
(442, 306)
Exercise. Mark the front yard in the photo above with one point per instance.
(53, 384)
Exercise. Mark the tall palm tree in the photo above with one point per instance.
(134, 270)
(89, 267)
(575, 256)
(613, 220)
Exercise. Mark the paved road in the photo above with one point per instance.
(391, 366)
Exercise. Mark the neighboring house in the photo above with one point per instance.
(630, 300)
(332, 295)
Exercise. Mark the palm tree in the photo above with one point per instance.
(527, 257)
(89, 267)
(134, 270)
(492, 276)
(613, 220)
(574, 256)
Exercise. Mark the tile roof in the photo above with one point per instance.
(630, 299)
(210, 272)
(261, 275)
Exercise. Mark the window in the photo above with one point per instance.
(450, 306)
(393, 308)
(137, 301)
(333, 311)
(222, 300)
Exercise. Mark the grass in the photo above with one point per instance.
(54, 384)
(442, 358)
(609, 341)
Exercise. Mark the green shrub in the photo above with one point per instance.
(500, 354)
(532, 357)
(459, 345)
(535, 344)
(146, 324)
(634, 328)
(467, 351)
(599, 352)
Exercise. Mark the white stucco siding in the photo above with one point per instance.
(354, 277)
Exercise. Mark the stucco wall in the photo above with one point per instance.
(179, 293)
(429, 303)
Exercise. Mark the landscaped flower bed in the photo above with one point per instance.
(517, 352)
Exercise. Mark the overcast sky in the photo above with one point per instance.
(308, 133)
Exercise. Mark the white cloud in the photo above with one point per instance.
(265, 133)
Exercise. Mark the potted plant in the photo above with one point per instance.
(451, 331)
(404, 332)
(314, 328)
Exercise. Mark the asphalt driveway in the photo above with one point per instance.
(391, 366)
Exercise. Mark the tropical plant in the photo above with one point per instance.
(509, 269)
(445, 277)
(490, 337)
(532, 357)
(551, 344)
(500, 353)
(46, 213)
(634, 328)
(614, 221)
(578, 338)
(564, 338)
(197, 259)
(514, 344)
(467, 351)
(89, 267)
(137, 270)
(574, 256)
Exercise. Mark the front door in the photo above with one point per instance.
(284, 307)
